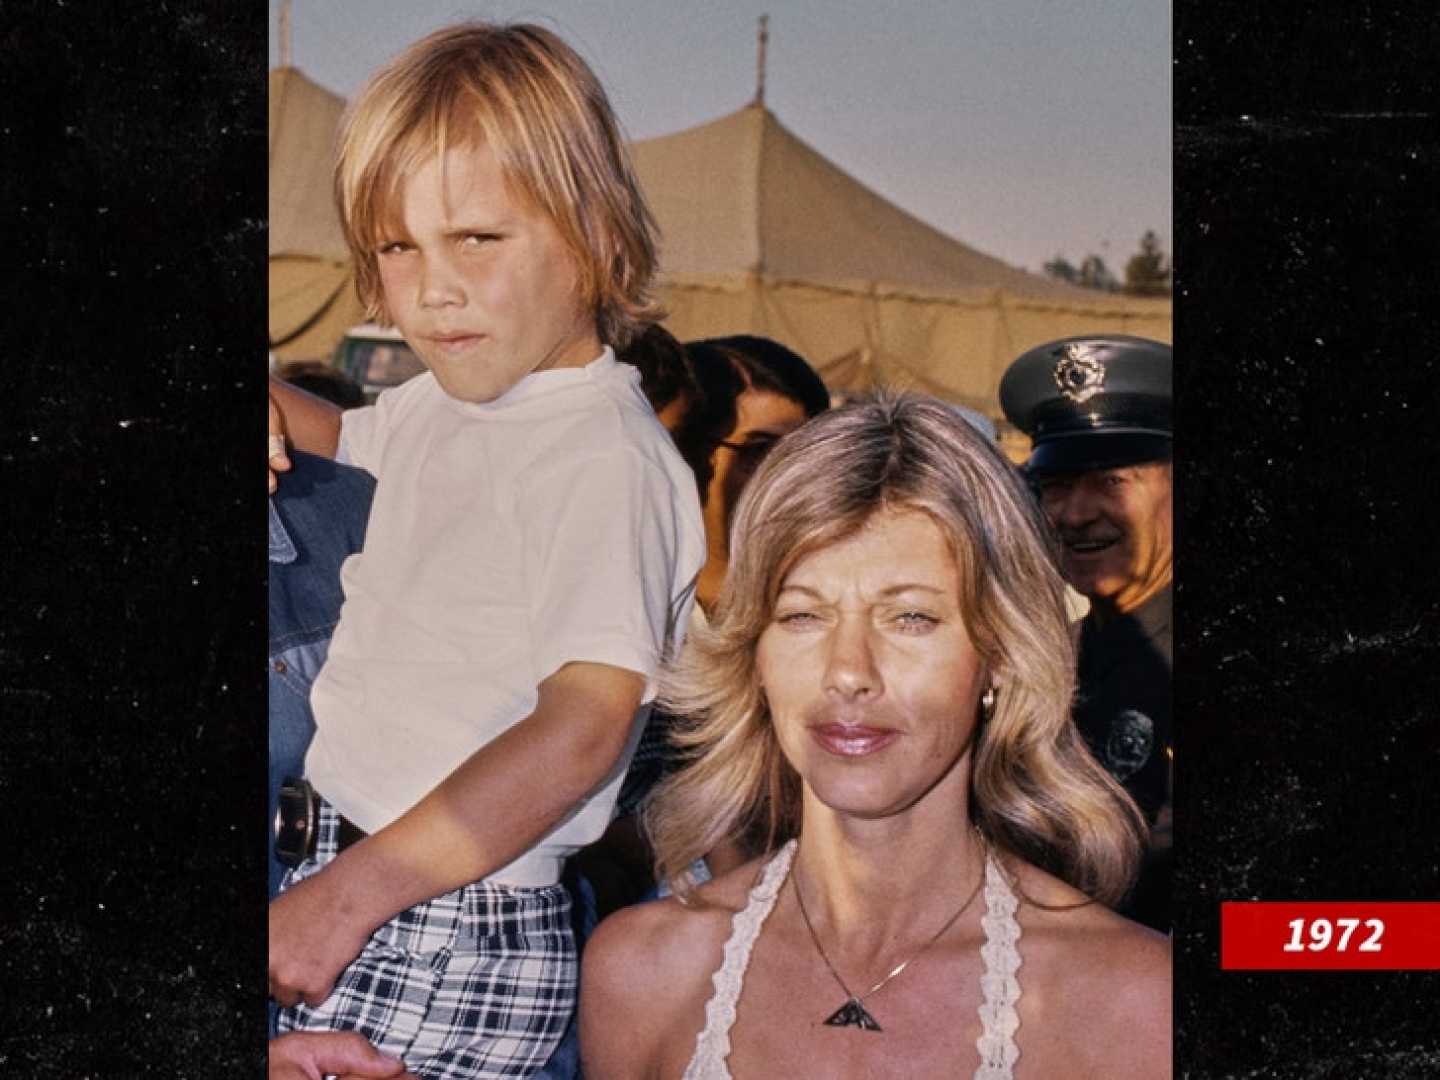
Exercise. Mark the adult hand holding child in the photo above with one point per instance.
(278, 460)
(301, 420)
(346, 1054)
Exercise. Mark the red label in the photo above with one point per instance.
(1265, 936)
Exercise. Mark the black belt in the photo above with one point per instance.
(348, 833)
(297, 824)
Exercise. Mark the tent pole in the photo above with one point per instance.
(284, 34)
(763, 38)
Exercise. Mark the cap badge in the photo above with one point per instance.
(1079, 375)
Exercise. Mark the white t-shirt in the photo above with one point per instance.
(554, 524)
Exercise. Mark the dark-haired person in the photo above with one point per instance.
(726, 401)
(752, 391)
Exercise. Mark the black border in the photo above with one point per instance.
(133, 192)
(1306, 687)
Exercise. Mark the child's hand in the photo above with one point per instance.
(313, 936)
(279, 461)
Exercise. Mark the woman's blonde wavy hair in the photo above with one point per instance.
(526, 95)
(1035, 789)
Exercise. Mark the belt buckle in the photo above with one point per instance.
(297, 822)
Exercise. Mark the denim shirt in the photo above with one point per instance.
(317, 520)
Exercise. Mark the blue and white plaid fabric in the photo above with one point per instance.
(477, 983)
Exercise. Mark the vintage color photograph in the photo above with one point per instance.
(720, 540)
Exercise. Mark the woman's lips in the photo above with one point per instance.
(852, 740)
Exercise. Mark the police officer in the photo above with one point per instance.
(1098, 412)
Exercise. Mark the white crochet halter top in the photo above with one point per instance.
(999, 984)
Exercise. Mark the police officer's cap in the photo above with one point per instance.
(1094, 402)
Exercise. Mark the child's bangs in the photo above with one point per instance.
(449, 123)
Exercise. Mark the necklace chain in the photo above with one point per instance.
(857, 998)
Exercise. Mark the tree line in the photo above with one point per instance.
(1147, 273)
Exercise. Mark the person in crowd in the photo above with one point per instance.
(1098, 412)
(883, 692)
(752, 391)
(324, 381)
(738, 395)
(317, 521)
(529, 558)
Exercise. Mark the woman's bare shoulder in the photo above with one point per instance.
(646, 976)
(1125, 1030)
(658, 943)
(1065, 919)
(1108, 977)
(675, 933)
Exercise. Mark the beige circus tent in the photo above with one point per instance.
(312, 296)
(761, 234)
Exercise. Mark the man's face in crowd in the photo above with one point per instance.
(1115, 528)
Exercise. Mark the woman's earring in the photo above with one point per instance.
(987, 701)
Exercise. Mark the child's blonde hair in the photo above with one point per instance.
(523, 93)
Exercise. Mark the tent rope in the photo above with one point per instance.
(314, 318)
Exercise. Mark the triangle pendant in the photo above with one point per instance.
(852, 1012)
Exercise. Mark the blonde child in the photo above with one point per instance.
(529, 559)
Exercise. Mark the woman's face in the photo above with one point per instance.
(762, 417)
(872, 680)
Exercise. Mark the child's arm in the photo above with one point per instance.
(485, 814)
(310, 422)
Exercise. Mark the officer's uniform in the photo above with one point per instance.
(1123, 709)
(1103, 402)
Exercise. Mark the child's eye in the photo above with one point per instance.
(478, 239)
(392, 247)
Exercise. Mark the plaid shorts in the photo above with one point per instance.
(480, 982)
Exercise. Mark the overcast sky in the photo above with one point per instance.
(1025, 128)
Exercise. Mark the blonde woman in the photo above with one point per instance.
(884, 693)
